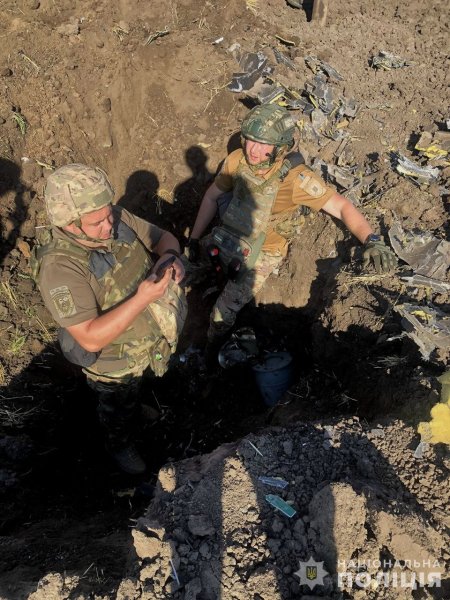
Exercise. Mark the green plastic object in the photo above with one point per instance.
(281, 505)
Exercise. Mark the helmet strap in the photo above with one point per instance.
(86, 238)
(277, 152)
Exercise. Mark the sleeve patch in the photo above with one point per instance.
(63, 301)
(312, 186)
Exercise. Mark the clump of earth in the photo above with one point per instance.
(140, 89)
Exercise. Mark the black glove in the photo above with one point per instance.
(192, 250)
(383, 258)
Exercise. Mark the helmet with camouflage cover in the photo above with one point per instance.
(269, 124)
(75, 190)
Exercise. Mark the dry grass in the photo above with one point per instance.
(216, 87)
(28, 59)
(367, 278)
(10, 416)
(166, 195)
(7, 291)
(46, 335)
(5, 149)
(173, 10)
(391, 361)
(2, 374)
(252, 5)
(120, 32)
(154, 36)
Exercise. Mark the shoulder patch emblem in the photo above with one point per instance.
(311, 185)
(63, 301)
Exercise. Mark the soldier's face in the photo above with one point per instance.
(256, 152)
(98, 224)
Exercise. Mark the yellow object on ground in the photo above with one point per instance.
(437, 431)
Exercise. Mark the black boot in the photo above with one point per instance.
(217, 335)
(129, 460)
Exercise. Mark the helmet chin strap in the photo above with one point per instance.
(265, 164)
(86, 238)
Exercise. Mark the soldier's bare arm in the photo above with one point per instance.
(341, 208)
(207, 211)
(93, 335)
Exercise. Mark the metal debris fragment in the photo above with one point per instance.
(421, 449)
(277, 93)
(255, 448)
(343, 176)
(321, 94)
(254, 66)
(434, 145)
(273, 481)
(416, 280)
(410, 169)
(284, 60)
(427, 326)
(319, 66)
(426, 254)
(174, 572)
(387, 61)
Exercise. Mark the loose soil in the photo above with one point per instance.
(87, 83)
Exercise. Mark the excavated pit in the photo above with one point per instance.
(159, 119)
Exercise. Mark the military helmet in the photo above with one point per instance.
(74, 190)
(269, 124)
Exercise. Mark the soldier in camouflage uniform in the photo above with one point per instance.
(265, 183)
(96, 276)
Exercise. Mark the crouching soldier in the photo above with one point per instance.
(120, 313)
(256, 193)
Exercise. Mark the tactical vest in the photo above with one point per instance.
(246, 220)
(118, 274)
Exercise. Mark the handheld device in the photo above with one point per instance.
(163, 268)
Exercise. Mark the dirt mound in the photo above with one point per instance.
(355, 493)
(140, 89)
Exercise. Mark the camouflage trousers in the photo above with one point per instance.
(117, 391)
(236, 294)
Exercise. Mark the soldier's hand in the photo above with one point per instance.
(150, 290)
(192, 250)
(177, 267)
(382, 257)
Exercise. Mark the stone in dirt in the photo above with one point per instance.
(200, 525)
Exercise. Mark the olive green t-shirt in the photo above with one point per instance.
(66, 284)
(301, 186)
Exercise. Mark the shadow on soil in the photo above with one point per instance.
(71, 509)
(66, 505)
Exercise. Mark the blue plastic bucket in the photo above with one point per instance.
(274, 376)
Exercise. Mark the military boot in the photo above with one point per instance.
(129, 460)
(217, 335)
